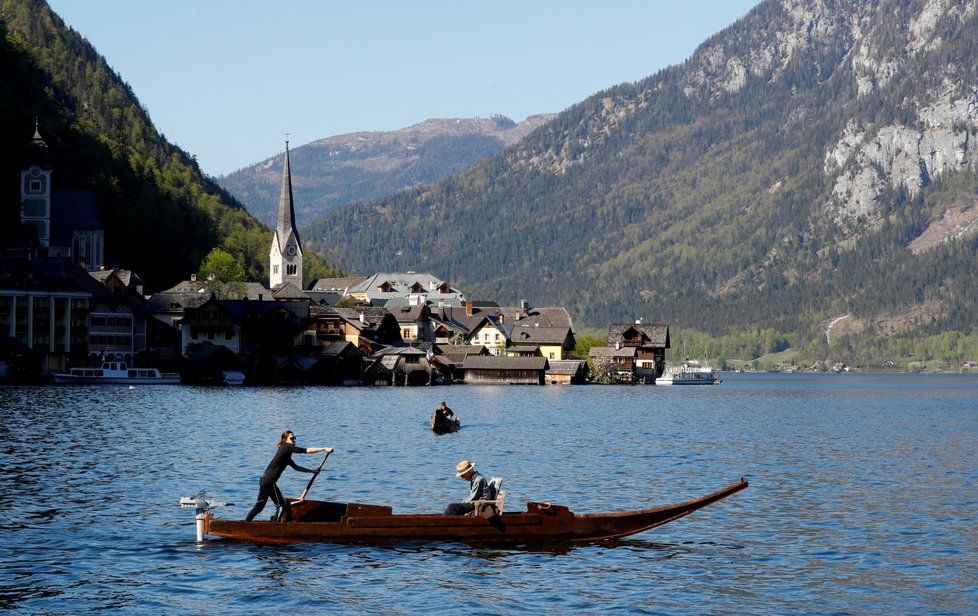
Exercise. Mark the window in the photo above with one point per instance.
(552, 355)
(290, 270)
(274, 269)
(497, 337)
(35, 185)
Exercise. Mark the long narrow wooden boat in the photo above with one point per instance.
(541, 522)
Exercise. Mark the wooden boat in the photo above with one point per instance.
(449, 425)
(541, 522)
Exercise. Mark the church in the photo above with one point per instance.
(285, 255)
(62, 223)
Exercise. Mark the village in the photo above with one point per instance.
(61, 307)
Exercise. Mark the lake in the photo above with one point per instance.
(863, 496)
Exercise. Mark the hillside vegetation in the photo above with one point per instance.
(780, 178)
(161, 214)
(370, 165)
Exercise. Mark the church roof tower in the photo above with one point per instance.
(286, 210)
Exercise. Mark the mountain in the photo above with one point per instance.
(812, 164)
(161, 214)
(371, 165)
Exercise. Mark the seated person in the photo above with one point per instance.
(443, 416)
(478, 489)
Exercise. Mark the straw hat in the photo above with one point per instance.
(463, 467)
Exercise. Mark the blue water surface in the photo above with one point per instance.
(863, 496)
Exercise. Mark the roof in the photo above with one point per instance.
(545, 317)
(285, 229)
(372, 316)
(611, 352)
(409, 314)
(193, 293)
(337, 347)
(336, 284)
(288, 290)
(565, 366)
(401, 351)
(539, 335)
(53, 274)
(494, 362)
(124, 275)
(653, 334)
(74, 209)
(402, 284)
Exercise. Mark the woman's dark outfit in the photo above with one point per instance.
(266, 483)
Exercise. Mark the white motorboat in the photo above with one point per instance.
(117, 372)
(689, 373)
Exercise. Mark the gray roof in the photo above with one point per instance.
(126, 276)
(193, 293)
(371, 316)
(408, 314)
(611, 352)
(494, 362)
(336, 284)
(402, 284)
(539, 335)
(654, 334)
(337, 347)
(566, 366)
(288, 290)
(286, 211)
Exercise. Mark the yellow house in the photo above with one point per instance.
(490, 334)
(554, 343)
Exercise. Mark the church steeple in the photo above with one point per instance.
(285, 255)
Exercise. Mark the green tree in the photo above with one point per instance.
(222, 274)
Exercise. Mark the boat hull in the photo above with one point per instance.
(452, 425)
(541, 522)
(110, 380)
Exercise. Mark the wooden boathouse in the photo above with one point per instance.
(497, 370)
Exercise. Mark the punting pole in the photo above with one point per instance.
(201, 505)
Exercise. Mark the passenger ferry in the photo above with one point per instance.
(116, 372)
(689, 373)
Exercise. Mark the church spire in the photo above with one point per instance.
(285, 255)
(286, 209)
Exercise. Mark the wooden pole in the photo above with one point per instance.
(313, 478)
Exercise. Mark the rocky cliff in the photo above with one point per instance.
(813, 160)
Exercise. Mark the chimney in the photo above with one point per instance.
(469, 308)
(502, 318)
(524, 305)
(617, 345)
(413, 300)
(638, 321)
(193, 277)
(362, 320)
(536, 324)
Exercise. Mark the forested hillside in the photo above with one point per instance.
(370, 165)
(815, 160)
(161, 214)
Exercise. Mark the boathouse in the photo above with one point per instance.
(501, 370)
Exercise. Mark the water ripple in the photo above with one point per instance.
(861, 499)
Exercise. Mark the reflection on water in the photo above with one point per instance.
(862, 496)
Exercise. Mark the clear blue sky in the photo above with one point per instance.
(225, 79)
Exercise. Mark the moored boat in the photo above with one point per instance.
(116, 372)
(689, 373)
(541, 522)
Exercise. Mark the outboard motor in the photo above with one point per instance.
(201, 504)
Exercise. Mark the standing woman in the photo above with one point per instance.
(266, 484)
